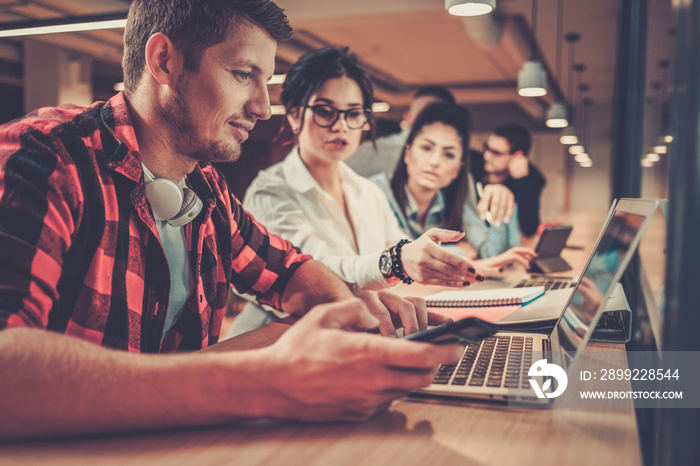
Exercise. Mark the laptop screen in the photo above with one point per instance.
(644, 282)
(611, 254)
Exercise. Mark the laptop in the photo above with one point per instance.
(548, 249)
(613, 326)
(497, 367)
(544, 312)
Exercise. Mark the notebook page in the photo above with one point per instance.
(481, 297)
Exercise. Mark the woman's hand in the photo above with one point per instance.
(495, 265)
(426, 262)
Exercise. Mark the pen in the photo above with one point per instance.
(480, 193)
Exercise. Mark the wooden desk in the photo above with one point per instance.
(411, 432)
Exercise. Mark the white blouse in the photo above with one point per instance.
(289, 202)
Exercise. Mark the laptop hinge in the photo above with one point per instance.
(547, 347)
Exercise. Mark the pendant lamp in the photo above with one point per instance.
(532, 78)
(557, 115)
(569, 136)
(469, 7)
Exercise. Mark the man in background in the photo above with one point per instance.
(505, 161)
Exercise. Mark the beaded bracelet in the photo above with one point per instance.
(396, 262)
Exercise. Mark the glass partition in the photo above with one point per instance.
(657, 133)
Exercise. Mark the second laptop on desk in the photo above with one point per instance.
(548, 249)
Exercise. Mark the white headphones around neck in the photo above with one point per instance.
(175, 203)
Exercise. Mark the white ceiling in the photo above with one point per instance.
(408, 43)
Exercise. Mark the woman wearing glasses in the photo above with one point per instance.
(429, 188)
(320, 205)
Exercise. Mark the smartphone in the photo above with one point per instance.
(464, 331)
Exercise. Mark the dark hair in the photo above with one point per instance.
(439, 92)
(455, 193)
(193, 26)
(518, 137)
(314, 69)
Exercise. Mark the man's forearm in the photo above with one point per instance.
(58, 385)
(313, 283)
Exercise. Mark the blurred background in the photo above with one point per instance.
(406, 44)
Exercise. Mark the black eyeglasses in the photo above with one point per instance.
(494, 152)
(325, 116)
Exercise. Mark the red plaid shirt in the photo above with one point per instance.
(79, 249)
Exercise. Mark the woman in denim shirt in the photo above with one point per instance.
(430, 185)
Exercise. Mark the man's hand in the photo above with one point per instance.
(426, 262)
(496, 204)
(323, 372)
(518, 166)
(392, 311)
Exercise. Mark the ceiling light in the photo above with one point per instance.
(532, 79)
(469, 7)
(277, 79)
(647, 163)
(582, 157)
(663, 98)
(586, 163)
(73, 24)
(653, 157)
(380, 107)
(577, 149)
(277, 109)
(118, 87)
(568, 136)
(557, 116)
(660, 149)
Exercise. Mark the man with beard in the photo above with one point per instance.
(118, 236)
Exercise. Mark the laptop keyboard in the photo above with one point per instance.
(548, 283)
(493, 362)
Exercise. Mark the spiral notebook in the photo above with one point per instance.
(489, 305)
(485, 298)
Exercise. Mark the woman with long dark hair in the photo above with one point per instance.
(430, 185)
